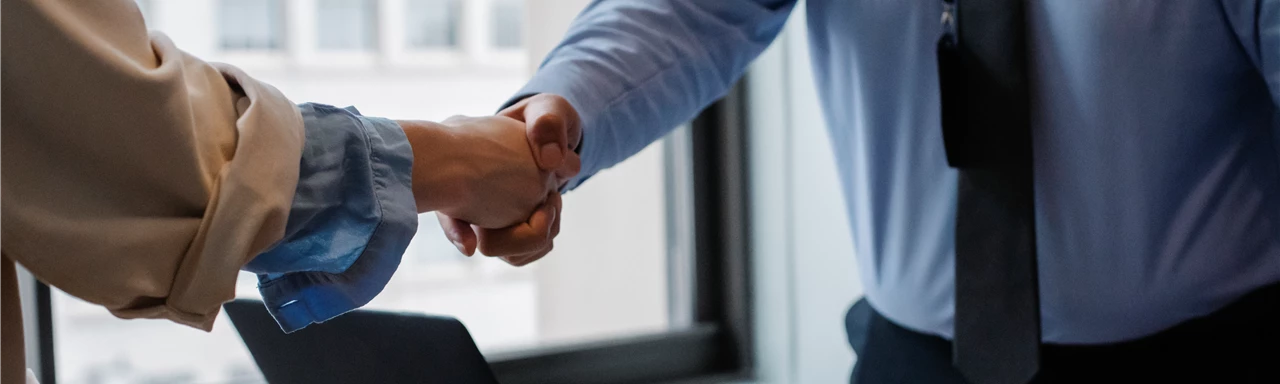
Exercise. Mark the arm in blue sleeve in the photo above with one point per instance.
(635, 69)
(352, 217)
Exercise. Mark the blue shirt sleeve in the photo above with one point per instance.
(635, 69)
(352, 217)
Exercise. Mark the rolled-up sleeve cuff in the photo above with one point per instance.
(299, 298)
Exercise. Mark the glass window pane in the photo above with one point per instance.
(250, 24)
(346, 24)
(94, 347)
(508, 23)
(433, 23)
(609, 276)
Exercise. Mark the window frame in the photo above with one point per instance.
(266, 58)
(299, 48)
(494, 22)
(472, 46)
(403, 53)
(374, 40)
(717, 346)
(459, 27)
(46, 371)
(281, 40)
(710, 295)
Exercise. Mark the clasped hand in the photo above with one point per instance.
(494, 181)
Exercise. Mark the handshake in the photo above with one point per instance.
(494, 181)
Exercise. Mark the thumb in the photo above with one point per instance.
(551, 126)
(547, 138)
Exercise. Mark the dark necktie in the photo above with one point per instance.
(986, 129)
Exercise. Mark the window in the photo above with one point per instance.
(433, 23)
(93, 347)
(508, 20)
(250, 24)
(627, 285)
(346, 24)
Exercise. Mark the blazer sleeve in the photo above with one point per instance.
(136, 176)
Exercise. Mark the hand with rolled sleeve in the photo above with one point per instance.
(362, 182)
(477, 169)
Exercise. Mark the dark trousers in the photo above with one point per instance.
(1237, 344)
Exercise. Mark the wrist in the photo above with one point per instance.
(439, 177)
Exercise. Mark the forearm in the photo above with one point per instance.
(438, 171)
(634, 70)
(479, 170)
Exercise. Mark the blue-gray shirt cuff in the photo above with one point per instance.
(352, 217)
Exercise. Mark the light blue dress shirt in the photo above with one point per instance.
(1155, 131)
(352, 217)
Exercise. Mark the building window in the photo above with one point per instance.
(433, 23)
(250, 24)
(627, 295)
(346, 24)
(508, 23)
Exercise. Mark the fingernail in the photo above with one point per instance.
(550, 153)
(459, 247)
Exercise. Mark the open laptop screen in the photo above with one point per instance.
(361, 347)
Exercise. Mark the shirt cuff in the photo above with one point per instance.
(351, 220)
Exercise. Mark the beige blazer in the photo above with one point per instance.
(135, 176)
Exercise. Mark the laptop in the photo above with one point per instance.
(361, 347)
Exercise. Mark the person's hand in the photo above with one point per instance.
(553, 130)
(519, 244)
(480, 170)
